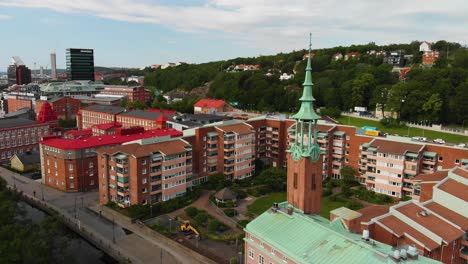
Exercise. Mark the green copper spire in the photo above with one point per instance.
(306, 112)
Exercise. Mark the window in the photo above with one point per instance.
(251, 253)
(261, 260)
(295, 181)
(143, 171)
(457, 161)
(313, 182)
(72, 185)
(441, 158)
(70, 166)
(71, 176)
(145, 180)
(91, 182)
(91, 164)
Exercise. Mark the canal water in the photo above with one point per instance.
(81, 251)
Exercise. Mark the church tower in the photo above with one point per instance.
(304, 191)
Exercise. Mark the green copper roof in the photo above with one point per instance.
(430, 154)
(313, 239)
(306, 112)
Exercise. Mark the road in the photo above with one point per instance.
(144, 248)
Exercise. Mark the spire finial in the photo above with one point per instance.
(310, 43)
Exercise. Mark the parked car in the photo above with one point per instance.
(461, 145)
(439, 141)
(422, 139)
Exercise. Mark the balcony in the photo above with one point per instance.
(228, 147)
(155, 178)
(123, 192)
(464, 240)
(464, 253)
(429, 161)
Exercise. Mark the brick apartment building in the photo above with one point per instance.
(430, 57)
(437, 225)
(15, 104)
(211, 106)
(71, 164)
(133, 93)
(143, 118)
(97, 114)
(65, 107)
(227, 147)
(18, 135)
(104, 114)
(388, 167)
(145, 172)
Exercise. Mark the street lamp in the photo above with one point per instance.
(170, 225)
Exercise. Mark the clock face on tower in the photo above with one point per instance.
(314, 152)
(296, 152)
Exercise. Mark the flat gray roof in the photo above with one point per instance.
(15, 122)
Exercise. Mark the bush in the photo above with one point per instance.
(191, 211)
(113, 205)
(254, 192)
(241, 194)
(213, 225)
(346, 191)
(405, 198)
(353, 205)
(390, 122)
(138, 211)
(326, 192)
(201, 218)
(230, 212)
(243, 223)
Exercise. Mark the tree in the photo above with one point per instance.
(348, 175)
(432, 107)
(362, 87)
(381, 97)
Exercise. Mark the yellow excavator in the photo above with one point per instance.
(187, 227)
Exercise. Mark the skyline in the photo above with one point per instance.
(141, 33)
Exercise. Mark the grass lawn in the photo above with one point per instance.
(413, 132)
(262, 204)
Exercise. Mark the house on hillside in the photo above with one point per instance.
(211, 106)
(425, 46)
(430, 57)
(350, 55)
(337, 56)
(312, 55)
(286, 76)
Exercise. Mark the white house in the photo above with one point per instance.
(286, 76)
(337, 56)
(425, 46)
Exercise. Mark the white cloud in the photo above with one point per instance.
(279, 25)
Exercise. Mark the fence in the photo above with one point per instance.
(83, 230)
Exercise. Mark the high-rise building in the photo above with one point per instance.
(18, 73)
(80, 64)
(53, 66)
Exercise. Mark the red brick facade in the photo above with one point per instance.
(15, 104)
(65, 107)
(133, 94)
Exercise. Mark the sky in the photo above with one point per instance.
(138, 33)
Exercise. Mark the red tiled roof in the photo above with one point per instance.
(448, 214)
(455, 188)
(107, 126)
(211, 103)
(79, 133)
(461, 172)
(401, 228)
(436, 176)
(399, 148)
(98, 141)
(431, 222)
(172, 112)
(240, 129)
(372, 211)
